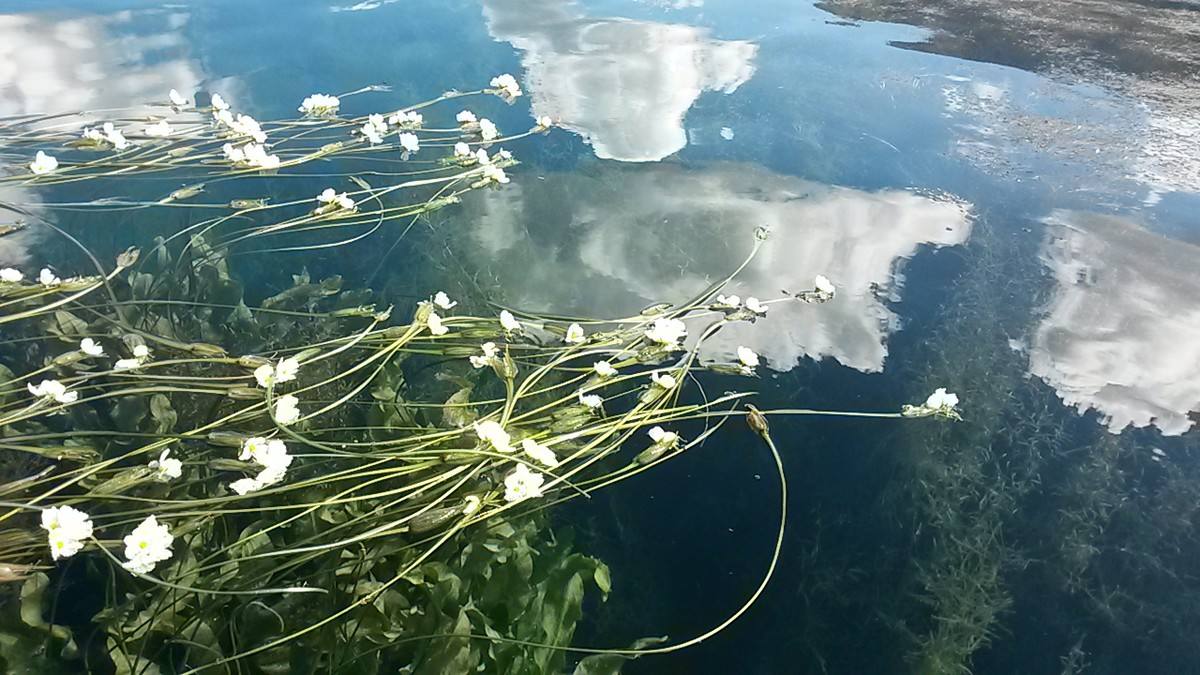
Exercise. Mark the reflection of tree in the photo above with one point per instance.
(613, 241)
(624, 85)
(1120, 332)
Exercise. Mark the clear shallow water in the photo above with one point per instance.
(983, 224)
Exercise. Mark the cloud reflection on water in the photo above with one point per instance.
(50, 63)
(610, 241)
(1121, 332)
(624, 85)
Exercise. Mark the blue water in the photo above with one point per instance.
(982, 223)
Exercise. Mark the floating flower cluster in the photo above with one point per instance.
(47, 277)
(287, 410)
(241, 126)
(91, 348)
(668, 333)
(148, 544)
(604, 369)
(940, 403)
(161, 129)
(539, 452)
(11, 275)
(272, 455)
(509, 322)
(141, 353)
(487, 358)
(52, 390)
(177, 98)
(748, 360)
(250, 155)
(334, 201)
(407, 119)
(506, 87)
(375, 129)
(268, 375)
(494, 435)
(68, 529)
(319, 105)
(106, 136)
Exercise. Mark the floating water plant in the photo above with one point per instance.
(314, 481)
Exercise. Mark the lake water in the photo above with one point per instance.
(1027, 238)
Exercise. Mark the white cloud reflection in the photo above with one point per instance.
(624, 85)
(50, 64)
(1121, 332)
(612, 241)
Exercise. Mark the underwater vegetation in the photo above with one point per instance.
(197, 476)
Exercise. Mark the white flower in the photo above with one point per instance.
(286, 410)
(442, 300)
(728, 301)
(53, 390)
(507, 84)
(340, 200)
(223, 117)
(664, 438)
(233, 154)
(160, 130)
(376, 120)
(115, 137)
(411, 120)
(471, 505)
(940, 399)
(574, 334)
(489, 353)
(256, 155)
(148, 545)
(126, 364)
(487, 130)
(523, 484)
(91, 347)
(748, 357)
(663, 380)
(592, 401)
(755, 306)
(219, 103)
(492, 433)
(409, 142)
(462, 149)
(68, 528)
(141, 352)
(284, 371)
(43, 163)
(604, 369)
(502, 154)
(544, 122)
(824, 285)
(48, 278)
(372, 134)
(177, 98)
(11, 275)
(509, 322)
(272, 454)
(166, 467)
(466, 117)
(319, 105)
(667, 332)
(494, 174)
(539, 452)
(246, 125)
(244, 486)
(435, 324)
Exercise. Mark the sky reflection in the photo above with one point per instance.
(611, 240)
(624, 85)
(1120, 332)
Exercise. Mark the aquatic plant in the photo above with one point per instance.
(309, 482)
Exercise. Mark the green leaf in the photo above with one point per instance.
(451, 656)
(33, 600)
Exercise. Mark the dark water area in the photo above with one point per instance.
(1023, 234)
